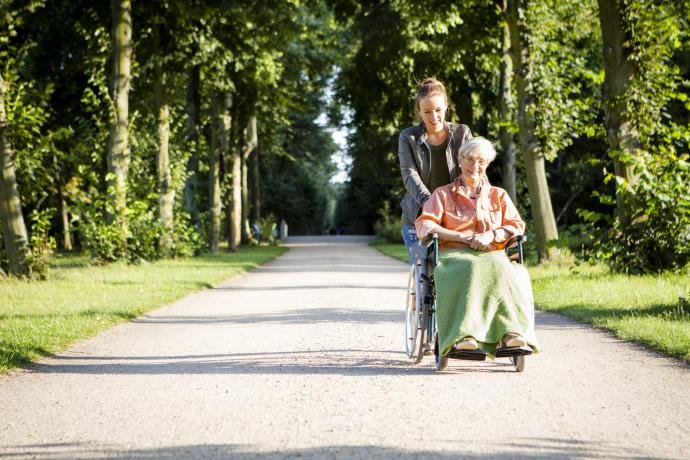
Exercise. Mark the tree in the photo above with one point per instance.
(166, 190)
(118, 144)
(540, 198)
(619, 71)
(638, 40)
(13, 228)
(506, 109)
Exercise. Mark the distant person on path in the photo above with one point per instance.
(427, 154)
(482, 299)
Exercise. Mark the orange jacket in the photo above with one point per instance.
(450, 207)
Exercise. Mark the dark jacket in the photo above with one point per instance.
(415, 164)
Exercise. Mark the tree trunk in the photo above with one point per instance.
(118, 143)
(236, 195)
(619, 71)
(540, 199)
(246, 231)
(62, 204)
(166, 192)
(505, 133)
(256, 186)
(225, 152)
(13, 227)
(64, 215)
(193, 122)
(228, 162)
(214, 173)
(249, 148)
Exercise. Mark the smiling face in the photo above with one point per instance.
(474, 157)
(473, 167)
(433, 112)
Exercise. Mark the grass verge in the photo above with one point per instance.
(653, 310)
(79, 300)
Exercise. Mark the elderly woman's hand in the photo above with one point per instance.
(482, 241)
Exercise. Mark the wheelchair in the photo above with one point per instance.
(420, 310)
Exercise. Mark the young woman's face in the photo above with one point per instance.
(433, 112)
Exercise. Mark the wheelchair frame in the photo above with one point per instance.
(420, 313)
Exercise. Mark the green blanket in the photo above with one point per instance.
(483, 295)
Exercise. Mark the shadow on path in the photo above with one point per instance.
(299, 316)
(522, 449)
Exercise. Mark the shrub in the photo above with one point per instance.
(658, 237)
(187, 241)
(144, 232)
(387, 228)
(42, 244)
(267, 230)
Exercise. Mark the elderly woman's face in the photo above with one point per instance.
(473, 166)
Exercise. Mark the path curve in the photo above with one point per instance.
(302, 358)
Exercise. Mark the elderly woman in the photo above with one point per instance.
(483, 300)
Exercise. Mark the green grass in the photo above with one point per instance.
(396, 251)
(653, 310)
(79, 300)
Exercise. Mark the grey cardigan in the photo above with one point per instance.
(415, 164)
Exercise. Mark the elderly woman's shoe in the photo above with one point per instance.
(513, 339)
(466, 343)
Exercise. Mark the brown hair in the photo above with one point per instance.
(430, 87)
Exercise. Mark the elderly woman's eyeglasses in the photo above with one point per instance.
(480, 161)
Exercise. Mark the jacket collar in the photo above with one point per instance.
(421, 139)
(456, 187)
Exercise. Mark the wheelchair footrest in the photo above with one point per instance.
(473, 355)
(509, 352)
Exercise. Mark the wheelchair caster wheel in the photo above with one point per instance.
(519, 362)
(441, 360)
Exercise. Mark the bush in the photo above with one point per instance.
(187, 241)
(267, 230)
(144, 232)
(100, 240)
(658, 237)
(42, 244)
(387, 228)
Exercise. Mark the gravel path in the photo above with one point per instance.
(302, 359)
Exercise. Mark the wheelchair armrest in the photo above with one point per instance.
(430, 243)
(516, 241)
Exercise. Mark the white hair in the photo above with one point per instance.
(477, 146)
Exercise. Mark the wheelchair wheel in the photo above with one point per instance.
(423, 318)
(519, 362)
(441, 360)
(412, 314)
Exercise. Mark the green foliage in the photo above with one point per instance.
(187, 242)
(564, 42)
(144, 233)
(288, 63)
(387, 228)
(100, 240)
(42, 244)
(658, 238)
(657, 30)
(267, 228)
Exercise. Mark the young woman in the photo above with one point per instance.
(427, 154)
